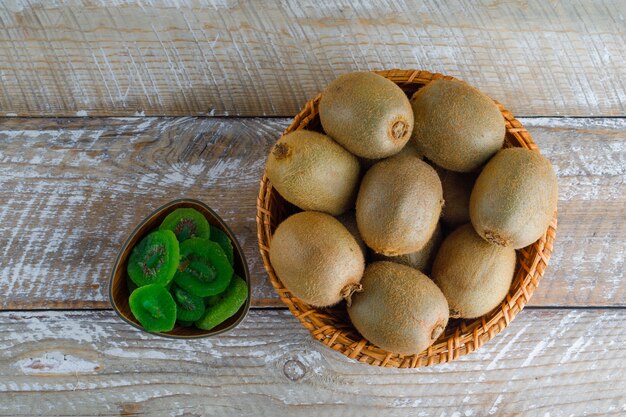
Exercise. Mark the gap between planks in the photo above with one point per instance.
(276, 305)
(260, 116)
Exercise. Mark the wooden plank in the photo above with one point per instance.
(588, 262)
(170, 57)
(557, 362)
(71, 190)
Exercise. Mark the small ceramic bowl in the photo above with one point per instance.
(118, 288)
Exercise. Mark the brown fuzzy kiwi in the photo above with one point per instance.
(409, 149)
(313, 172)
(398, 205)
(456, 126)
(473, 274)
(457, 188)
(348, 219)
(366, 113)
(316, 258)
(514, 198)
(421, 259)
(400, 309)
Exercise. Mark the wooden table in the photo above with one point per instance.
(186, 100)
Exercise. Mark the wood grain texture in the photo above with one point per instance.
(224, 57)
(72, 190)
(91, 363)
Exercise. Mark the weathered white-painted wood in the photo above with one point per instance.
(588, 262)
(556, 362)
(71, 190)
(223, 57)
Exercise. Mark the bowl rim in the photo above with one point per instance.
(233, 239)
(467, 335)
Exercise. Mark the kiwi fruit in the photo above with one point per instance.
(514, 198)
(189, 307)
(400, 309)
(204, 268)
(153, 306)
(226, 306)
(221, 238)
(348, 219)
(456, 126)
(313, 172)
(409, 149)
(186, 223)
(474, 275)
(316, 258)
(154, 259)
(457, 187)
(367, 114)
(421, 259)
(398, 205)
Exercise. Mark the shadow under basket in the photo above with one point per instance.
(118, 287)
(332, 327)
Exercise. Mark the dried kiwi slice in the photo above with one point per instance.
(189, 307)
(154, 307)
(204, 268)
(222, 239)
(186, 223)
(155, 259)
(230, 301)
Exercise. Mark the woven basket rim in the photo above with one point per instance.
(462, 336)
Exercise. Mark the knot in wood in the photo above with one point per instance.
(294, 370)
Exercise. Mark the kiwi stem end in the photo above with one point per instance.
(348, 290)
(399, 130)
(496, 239)
(437, 330)
(281, 150)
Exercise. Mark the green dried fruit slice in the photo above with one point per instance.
(186, 223)
(222, 239)
(155, 259)
(189, 307)
(184, 323)
(204, 268)
(230, 301)
(154, 307)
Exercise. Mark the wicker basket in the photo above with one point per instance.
(332, 327)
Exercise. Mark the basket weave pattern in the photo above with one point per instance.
(332, 327)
